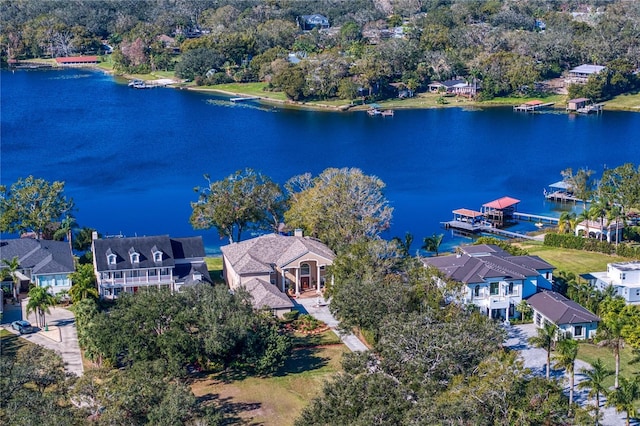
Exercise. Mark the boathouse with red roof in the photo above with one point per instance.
(500, 212)
(77, 61)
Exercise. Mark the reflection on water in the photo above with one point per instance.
(246, 105)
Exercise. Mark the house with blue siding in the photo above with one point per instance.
(494, 280)
(41, 262)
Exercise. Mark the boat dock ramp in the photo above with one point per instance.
(533, 106)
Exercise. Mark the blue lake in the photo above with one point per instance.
(131, 158)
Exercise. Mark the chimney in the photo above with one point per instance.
(94, 235)
(297, 232)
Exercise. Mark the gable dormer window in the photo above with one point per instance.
(134, 256)
(156, 254)
(111, 259)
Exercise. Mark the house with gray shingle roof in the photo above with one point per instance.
(572, 319)
(494, 280)
(276, 263)
(42, 262)
(128, 264)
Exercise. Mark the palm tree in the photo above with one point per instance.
(84, 283)
(432, 243)
(599, 211)
(594, 381)
(404, 245)
(545, 340)
(613, 213)
(566, 223)
(610, 330)
(585, 216)
(39, 302)
(567, 351)
(12, 267)
(66, 228)
(624, 397)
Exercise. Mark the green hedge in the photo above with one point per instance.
(589, 244)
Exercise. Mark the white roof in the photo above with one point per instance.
(588, 69)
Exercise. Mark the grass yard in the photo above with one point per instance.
(10, 343)
(277, 400)
(629, 101)
(214, 265)
(589, 353)
(576, 261)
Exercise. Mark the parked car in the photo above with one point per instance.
(22, 327)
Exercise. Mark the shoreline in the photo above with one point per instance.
(180, 85)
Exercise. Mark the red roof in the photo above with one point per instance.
(77, 59)
(501, 203)
(467, 212)
(533, 103)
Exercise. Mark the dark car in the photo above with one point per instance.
(22, 327)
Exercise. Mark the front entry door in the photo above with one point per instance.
(304, 283)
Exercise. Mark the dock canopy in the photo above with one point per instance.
(501, 203)
(467, 213)
(560, 185)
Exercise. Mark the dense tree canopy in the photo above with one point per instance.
(245, 200)
(340, 206)
(32, 205)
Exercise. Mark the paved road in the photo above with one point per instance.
(61, 337)
(321, 311)
(536, 360)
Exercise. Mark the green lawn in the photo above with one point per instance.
(589, 353)
(277, 400)
(10, 343)
(214, 265)
(576, 261)
(627, 101)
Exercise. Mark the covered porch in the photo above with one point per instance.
(306, 277)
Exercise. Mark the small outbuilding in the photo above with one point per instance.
(572, 320)
(576, 104)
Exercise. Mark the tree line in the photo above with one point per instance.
(508, 46)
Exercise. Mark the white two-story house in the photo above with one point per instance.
(128, 264)
(494, 280)
(623, 276)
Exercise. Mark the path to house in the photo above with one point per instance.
(536, 360)
(60, 336)
(321, 312)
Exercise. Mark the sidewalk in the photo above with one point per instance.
(60, 336)
(321, 312)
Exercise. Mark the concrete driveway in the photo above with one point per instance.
(536, 360)
(60, 336)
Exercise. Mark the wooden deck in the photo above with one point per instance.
(467, 227)
(561, 196)
(535, 218)
(532, 107)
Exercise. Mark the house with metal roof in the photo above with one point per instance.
(580, 74)
(500, 212)
(571, 319)
(41, 262)
(623, 276)
(494, 280)
(271, 265)
(129, 264)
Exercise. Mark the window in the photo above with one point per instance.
(157, 256)
(510, 288)
(493, 289)
(153, 272)
(623, 276)
(305, 269)
(135, 258)
(111, 259)
(476, 291)
(577, 330)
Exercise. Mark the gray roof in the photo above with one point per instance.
(588, 69)
(261, 254)
(184, 273)
(172, 249)
(480, 263)
(559, 309)
(43, 257)
(266, 295)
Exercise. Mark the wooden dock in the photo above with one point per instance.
(588, 109)
(535, 218)
(532, 106)
(474, 229)
(561, 197)
(245, 98)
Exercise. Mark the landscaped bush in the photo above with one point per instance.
(289, 317)
(590, 244)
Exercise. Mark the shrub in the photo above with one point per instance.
(289, 317)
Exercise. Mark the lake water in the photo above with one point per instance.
(131, 158)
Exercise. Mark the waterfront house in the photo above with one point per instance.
(41, 262)
(580, 74)
(571, 319)
(77, 61)
(500, 212)
(309, 22)
(456, 87)
(274, 262)
(494, 280)
(624, 277)
(610, 231)
(129, 264)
